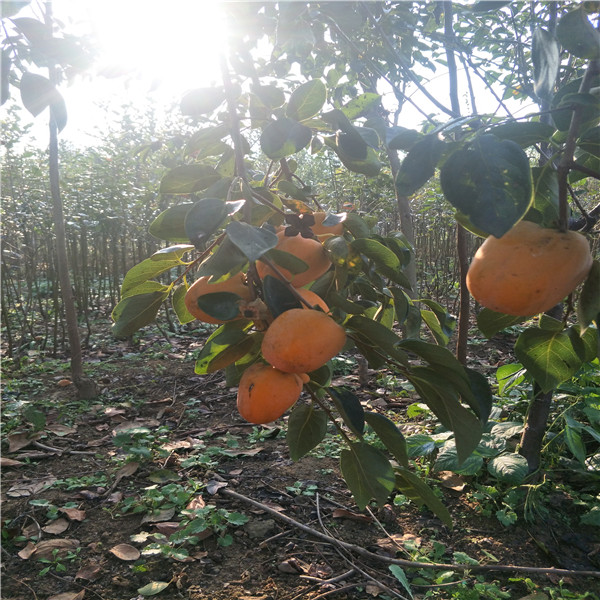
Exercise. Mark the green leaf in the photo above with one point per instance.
(447, 460)
(278, 297)
(550, 357)
(38, 93)
(306, 100)
(490, 322)
(146, 287)
(420, 493)
(390, 435)
(490, 182)
(545, 55)
(172, 252)
(223, 306)
(575, 443)
(378, 336)
(400, 575)
(188, 179)
(153, 588)
(419, 165)
(170, 224)
(307, 427)
(377, 252)
(135, 312)
(578, 36)
(246, 347)
(361, 105)
(524, 133)
(178, 302)
(204, 218)
(588, 307)
(592, 517)
(284, 137)
(562, 107)
(349, 407)
(355, 154)
(202, 101)
(368, 474)
(228, 335)
(205, 138)
(227, 259)
(403, 139)
(509, 467)
(252, 241)
(436, 392)
(482, 394)
(590, 141)
(147, 269)
(34, 416)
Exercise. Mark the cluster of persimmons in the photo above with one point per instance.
(295, 342)
(525, 272)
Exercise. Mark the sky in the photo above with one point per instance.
(166, 51)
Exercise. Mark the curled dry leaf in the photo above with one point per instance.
(46, 548)
(61, 430)
(64, 383)
(56, 527)
(16, 441)
(9, 462)
(73, 513)
(25, 553)
(69, 596)
(125, 552)
(452, 481)
(342, 513)
(89, 572)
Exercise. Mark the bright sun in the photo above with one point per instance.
(173, 44)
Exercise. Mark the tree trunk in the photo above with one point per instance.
(85, 387)
(533, 434)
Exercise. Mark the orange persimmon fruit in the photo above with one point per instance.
(266, 393)
(300, 341)
(320, 229)
(201, 287)
(309, 250)
(529, 269)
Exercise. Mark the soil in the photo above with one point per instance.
(269, 558)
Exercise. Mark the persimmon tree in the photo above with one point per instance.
(236, 195)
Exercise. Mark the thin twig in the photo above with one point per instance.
(407, 563)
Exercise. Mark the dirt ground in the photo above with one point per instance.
(271, 558)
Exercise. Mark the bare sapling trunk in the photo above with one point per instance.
(85, 387)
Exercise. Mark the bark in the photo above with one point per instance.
(85, 387)
(533, 434)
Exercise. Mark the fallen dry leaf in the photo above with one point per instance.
(89, 572)
(73, 513)
(61, 430)
(19, 440)
(25, 553)
(64, 383)
(168, 527)
(162, 515)
(24, 489)
(196, 503)
(69, 596)
(9, 462)
(342, 513)
(45, 548)
(125, 552)
(452, 481)
(56, 527)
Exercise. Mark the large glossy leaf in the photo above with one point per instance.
(368, 474)
(491, 322)
(551, 357)
(349, 407)
(524, 133)
(419, 165)
(307, 427)
(134, 312)
(252, 241)
(37, 94)
(588, 307)
(578, 36)
(226, 259)
(147, 269)
(230, 354)
(228, 335)
(306, 100)
(284, 137)
(361, 105)
(175, 252)
(170, 224)
(355, 154)
(443, 401)
(390, 435)
(490, 182)
(278, 297)
(178, 303)
(375, 335)
(420, 493)
(202, 101)
(203, 219)
(223, 306)
(187, 179)
(545, 55)
(510, 468)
